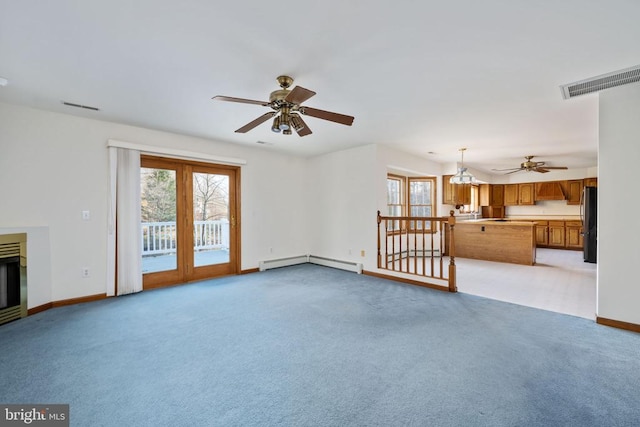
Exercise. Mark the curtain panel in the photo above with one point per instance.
(124, 246)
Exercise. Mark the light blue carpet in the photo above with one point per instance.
(314, 346)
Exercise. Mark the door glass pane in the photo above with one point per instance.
(158, 207)
(210, 219)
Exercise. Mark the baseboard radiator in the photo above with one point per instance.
(355, 267)
(283, 262)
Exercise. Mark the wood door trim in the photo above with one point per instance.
(186, 272)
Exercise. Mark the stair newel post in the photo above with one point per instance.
(379, 257)
(451, 223)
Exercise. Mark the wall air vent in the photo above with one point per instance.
(598, 83)
(71, 104)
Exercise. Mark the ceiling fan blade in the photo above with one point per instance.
(556, 167)
(263, 118)
(305, 130)
(298, 95)
(327, 115)
(541, 170)
(504, 170)
(240, 100)
(517, 170)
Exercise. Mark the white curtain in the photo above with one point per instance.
(124, 241)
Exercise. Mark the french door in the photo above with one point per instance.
(189, 221)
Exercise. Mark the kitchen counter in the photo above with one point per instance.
(496, 240)
(492, 221)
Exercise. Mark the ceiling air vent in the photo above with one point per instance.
(605, 81)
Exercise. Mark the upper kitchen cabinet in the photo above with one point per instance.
(455, 194)
(497, 195)
(484, 194)
(448, 192)
(526, 194)
(590, 182)
(574, 190)
(491, 194)
(519, 194)
(510, 194)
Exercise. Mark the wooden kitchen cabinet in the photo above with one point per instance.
(484, 194)
(491, 194)
(526, 194)
(497, 195)
(573, 234)
(542, 233)
(492, 211)
(591, 182)
(574, 190)
(519, 194)
(463, 194)
(556, 234)
(455, 194)
(510, 194)
(448, 196)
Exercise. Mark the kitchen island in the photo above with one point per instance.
(496, 240)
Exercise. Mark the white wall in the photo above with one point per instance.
(53, 166)
(347, 189)
(395, 161)
(341, 198)
(618, 201)
(545, 209)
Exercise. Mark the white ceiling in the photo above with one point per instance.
(425, 77)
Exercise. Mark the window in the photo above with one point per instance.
(474, 205)
(421, 197)
(419, 203)
(395, 199)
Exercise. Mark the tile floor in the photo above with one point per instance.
(560, 281)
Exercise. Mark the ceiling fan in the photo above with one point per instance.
(530, 166)
(286, 108)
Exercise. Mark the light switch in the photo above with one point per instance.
(86, 215)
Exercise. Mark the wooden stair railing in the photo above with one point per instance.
(418, 246)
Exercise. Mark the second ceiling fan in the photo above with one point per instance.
(531, 166)
(286, 106)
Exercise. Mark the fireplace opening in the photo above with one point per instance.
(9, 282)
(13, 277)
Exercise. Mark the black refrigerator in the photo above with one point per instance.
(589, 211)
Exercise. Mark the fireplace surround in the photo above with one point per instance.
(13, 277)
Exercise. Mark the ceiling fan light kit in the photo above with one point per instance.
(287, 109)
(462, 177)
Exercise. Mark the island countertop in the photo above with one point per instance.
(498, 221)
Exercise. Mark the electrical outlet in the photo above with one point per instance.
(270, 250)
(362, 252)
(349, 251)
(86, 215)
(85, 272)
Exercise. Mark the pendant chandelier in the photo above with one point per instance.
(462, 177)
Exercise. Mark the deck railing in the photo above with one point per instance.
(418, 246)
(159, 238)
